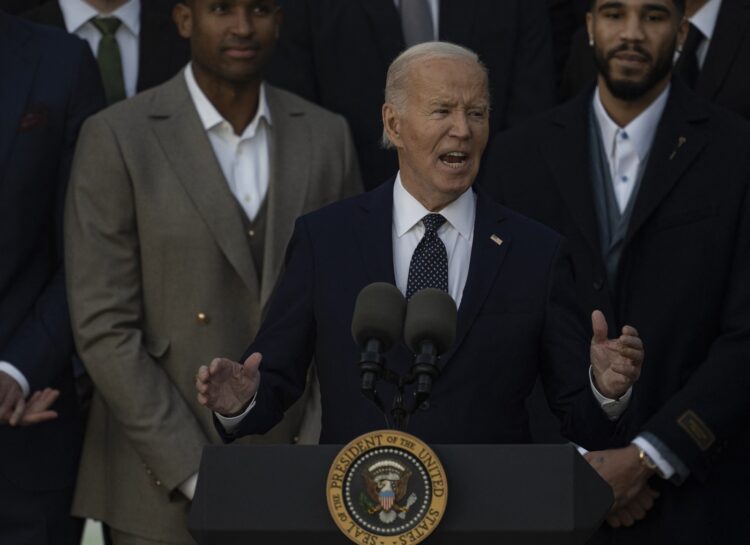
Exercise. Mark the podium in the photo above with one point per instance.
(497, 494)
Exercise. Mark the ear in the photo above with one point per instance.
(182, 15)
(590, 27)
(392, 124)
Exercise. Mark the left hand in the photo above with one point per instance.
(623, 471)
(616, 363)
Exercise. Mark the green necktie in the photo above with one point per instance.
(108, 57)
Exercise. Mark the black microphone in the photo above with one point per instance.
(429, 331)
(377, 324)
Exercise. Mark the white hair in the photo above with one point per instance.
(399, 71)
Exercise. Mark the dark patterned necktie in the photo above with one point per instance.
(109, 59)
(429, 262)
(687, 63)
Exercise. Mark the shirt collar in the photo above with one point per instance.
(641, 130)
(77, 13)
(705, 18)
(210, 116)
(408, 211)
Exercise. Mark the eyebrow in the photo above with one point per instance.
(648, 7)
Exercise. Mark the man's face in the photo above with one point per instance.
(634, 43)
(230, 39)
(442, 130)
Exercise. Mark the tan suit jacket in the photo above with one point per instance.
(161, 279)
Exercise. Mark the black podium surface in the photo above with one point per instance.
(498, 494)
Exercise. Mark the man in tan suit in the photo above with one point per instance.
(181, 203)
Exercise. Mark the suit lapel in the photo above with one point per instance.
(486, 258)
(185, 143)
(565, 148)
(732, 24)
(676, 145)
(18, 56)
(288, 185)
(386, 24)
(374, 231)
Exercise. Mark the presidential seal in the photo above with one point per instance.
(387, 488)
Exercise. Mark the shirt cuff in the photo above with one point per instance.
(613, 408)
(667, 470)
(230, 423)
(188, 487)
(16, 375)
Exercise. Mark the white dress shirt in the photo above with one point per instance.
(434, 11)
(705, 20)
(628, 147)
(78, 14)
(245, 158)
(457, 233)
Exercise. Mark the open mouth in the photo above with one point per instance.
(454, 159)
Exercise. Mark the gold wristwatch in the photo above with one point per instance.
(648, 463)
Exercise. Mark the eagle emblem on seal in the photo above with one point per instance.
(386, 486)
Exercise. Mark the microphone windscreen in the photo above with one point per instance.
(379, 314)
(430, 316)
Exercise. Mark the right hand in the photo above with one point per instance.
(635, 510)
(226, 387)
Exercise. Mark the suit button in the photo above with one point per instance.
(598, 284)
(425, 406)
(295, 439)
(158, 483)
(202, 318)
(251, 233)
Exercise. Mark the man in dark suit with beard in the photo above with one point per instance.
(715, 60)
(650, 184)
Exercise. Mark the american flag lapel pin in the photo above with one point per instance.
(496, 239)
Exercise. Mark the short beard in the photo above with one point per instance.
(633, 90)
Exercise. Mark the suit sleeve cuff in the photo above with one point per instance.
(613, 408)
(230, 423)
(667, 461)
(16, 375)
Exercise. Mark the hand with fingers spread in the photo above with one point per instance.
(36, 409)
(635, 510)
(616, 363)
(227, 387)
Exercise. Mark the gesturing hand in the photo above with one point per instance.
(34, 411)
(225, 386)
(616, 363)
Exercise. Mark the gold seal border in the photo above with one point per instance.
(376, 440)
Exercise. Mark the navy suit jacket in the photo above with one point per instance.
(517, 318)
(50, 84)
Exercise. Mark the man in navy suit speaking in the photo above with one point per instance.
(509, 276)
